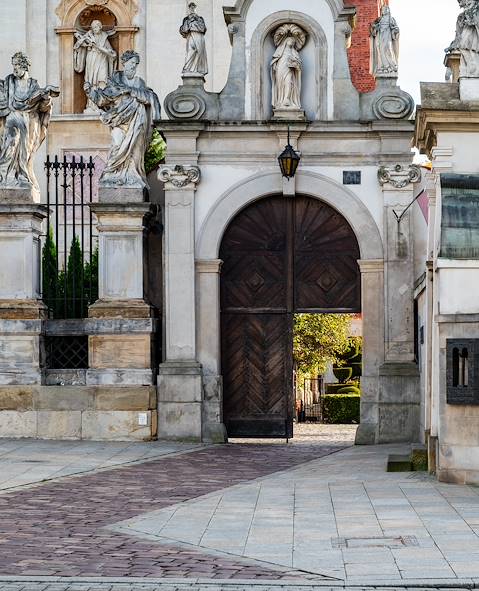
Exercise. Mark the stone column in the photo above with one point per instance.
(399, 394)
(209, 337)
(372, 306)
(21, 309)
(179, 384)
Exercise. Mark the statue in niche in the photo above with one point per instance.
(193, 30)
(385, 45)
(467, 38)
(131, 110)
(286, 67)
(94, 56)
(25, 110)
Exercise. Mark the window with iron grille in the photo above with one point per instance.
(462, 371)
(66, 352)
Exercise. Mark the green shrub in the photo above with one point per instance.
(333, 388)
(343, 373)
(341, 408)
(349, 390)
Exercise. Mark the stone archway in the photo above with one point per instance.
(281, 255)
(208, 266)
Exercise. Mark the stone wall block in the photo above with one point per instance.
(16, 398)
(125, 399)
(115, 426)
(18, 424)
(62, 398)
(59, 424)
(180, 421)
(120, 351)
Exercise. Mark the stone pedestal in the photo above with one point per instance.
(122, 355)
(21, 311)
(289, 114)
(469, 89)
(180, 390)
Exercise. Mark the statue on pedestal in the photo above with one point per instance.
(193, 30)
(467, 38)
(131, 110)
(25, 110)
(286, 67)
(93, 55)
(385, 45)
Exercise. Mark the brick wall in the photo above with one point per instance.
(360, 50)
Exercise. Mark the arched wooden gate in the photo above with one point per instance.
(280, 256)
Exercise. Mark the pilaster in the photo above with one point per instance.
(399, 395)
(209, 331)
(180, 391)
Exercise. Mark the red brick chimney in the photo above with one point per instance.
(359, 53)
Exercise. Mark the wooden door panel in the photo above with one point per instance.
(256, 374)
(326, 272)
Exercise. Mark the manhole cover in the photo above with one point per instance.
(398, 542)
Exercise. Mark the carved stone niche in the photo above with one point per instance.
(78, 14)
(314, 54)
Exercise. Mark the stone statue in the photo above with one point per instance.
(25, 111)
(385, 45)
(286, 67)
(193, 30)
(131, 110)
(93, 55)
(467, 38)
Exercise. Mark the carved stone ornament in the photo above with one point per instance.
(96, 2)
(399, 176)
(180, 176)
(186, 105)
(393, 105)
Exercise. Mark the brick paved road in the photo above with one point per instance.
(209, 586)
(58, 528)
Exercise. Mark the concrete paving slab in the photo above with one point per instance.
(342, 515)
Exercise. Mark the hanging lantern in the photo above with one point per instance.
(289, 160)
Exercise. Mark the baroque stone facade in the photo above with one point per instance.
(257, 75)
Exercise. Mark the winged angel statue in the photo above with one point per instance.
(287, 66)
(25, 110)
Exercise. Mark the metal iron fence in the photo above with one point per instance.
(69, 256)
(309, 401)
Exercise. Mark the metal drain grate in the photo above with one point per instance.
(398, 542)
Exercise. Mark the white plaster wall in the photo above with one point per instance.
(464, 153)
(318, 10)
(165, 48)
(13, 19)
(216, 180)
(458, 287)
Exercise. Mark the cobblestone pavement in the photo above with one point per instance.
(59, 527)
